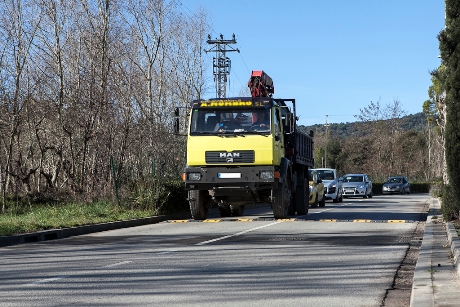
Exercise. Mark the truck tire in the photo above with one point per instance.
(301, 199)
(197, 201)
(236, 210)
(291, 207)
(224, 211)
(282, 198)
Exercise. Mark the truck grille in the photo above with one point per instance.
(242, 156)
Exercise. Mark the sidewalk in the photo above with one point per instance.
(436, 278)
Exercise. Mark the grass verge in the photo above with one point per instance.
(46, 217)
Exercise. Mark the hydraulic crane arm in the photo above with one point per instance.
(260, 84)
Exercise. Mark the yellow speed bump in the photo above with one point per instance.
(211, 221)
(396, 221)
(285, 220)
(333, 221)
(245, 220)
(361, 221)
(179, 221)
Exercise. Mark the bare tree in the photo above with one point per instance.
(382, 122)
(435, 109)
(19, 24)
(85, 80)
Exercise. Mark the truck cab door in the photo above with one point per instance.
(278, 137)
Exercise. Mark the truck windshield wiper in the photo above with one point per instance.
(227, 133)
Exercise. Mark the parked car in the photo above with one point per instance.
(316, 190)
(396, 184)
(332, 185)
(357, 185)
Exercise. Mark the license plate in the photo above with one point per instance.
(229, 175)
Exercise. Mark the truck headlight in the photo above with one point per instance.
(266, 175)
(194, 176)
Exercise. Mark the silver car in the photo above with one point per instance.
(396, 184)
(332, 185)
(357, 185)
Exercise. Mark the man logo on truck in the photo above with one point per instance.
(229, 156)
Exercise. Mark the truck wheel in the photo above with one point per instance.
(301, 199)
(198, 207)
(282, 197)
(315, 204)
(236, 210)
(322, 202)
(224, 211)
(291, 208)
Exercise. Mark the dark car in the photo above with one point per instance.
(396, 185)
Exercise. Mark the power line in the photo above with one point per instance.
(214, 32)
(221, 63)
(325, 151)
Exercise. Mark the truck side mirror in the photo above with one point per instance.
(289, 123)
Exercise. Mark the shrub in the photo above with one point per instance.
(449, 208)
(377, 188)
(415, 187)
(420, 187)
(160, 196)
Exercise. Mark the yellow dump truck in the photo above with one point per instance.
(245, 150)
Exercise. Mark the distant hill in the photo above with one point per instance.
(415, 122)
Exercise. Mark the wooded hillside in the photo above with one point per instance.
(382, 143)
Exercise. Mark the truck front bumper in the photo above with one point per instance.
(251, 177)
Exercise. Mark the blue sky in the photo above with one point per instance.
(333, 56)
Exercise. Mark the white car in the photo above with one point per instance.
(332, 183)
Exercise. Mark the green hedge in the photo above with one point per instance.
(415, 187)
(161, 196)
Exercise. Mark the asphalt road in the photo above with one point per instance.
(345, 254)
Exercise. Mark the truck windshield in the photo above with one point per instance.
(234, 121)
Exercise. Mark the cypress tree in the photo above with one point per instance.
(449, 45)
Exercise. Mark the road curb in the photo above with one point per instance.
(53, 234)
(454, 242)
(422, 284)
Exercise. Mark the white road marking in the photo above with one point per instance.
(330, 208)
(166, 252)
(116, 264)
(236, 234)
(44, 281)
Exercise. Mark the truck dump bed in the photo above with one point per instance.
(303, 149)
